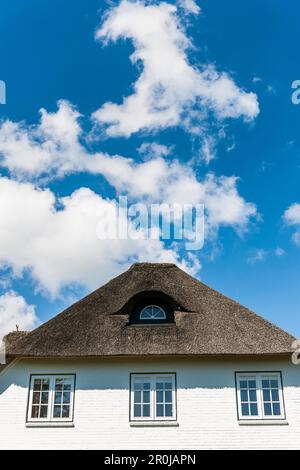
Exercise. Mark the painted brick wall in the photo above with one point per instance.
(206, 403)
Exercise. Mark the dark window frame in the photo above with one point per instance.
(157, 421)
(243, 418)
(74, 375)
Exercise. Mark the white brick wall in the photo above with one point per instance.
(206, 403)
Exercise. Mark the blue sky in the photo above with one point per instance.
(49, 53)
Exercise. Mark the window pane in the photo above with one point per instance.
(36, 398)
(59, 384)
(274, 383)
(243, 384)
(253, 409)
(146, 385)
(57, 398)
(245, 409)
(137, 386)
(66, 398)
(146, 411)
(35, 412)
(168, 397)
(168, 386)
(268, 409)
(137, 397)
(252, 395)
(275, 395)
(159, 397)
(146, 397)
(276, 409)
(56, 411)
(252, 383)
(137, 411)
(244, 395)
(44, 398)
(45, 384)
(159, 386)
(265, 384)
(43, 411)
(65, 411)
(266, 395)
(168, 410)
(37, 384)
(159, 410)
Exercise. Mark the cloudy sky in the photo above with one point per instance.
(162, 102)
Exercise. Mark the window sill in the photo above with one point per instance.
(50, 424)
(141, 424)
(263, 422)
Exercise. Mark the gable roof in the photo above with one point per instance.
(206, 322)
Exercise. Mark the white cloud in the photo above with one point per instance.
(190, 6)
(224, 204)
(279, 252)
(296, 237)
(169, 90)
(292, 217)
(52, 146)
(208, 149)
(271, 89)
(257, 256)
(172, 182)
(292, 214)
(155, 179)
(256, 79)
(60, 245)
(154, 150)
(14, 310)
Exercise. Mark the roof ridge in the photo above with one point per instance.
(145, 264)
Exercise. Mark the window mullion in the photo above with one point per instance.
(153, 397)
(260, 396)
(51, 398)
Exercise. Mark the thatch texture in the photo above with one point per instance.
(206, 322)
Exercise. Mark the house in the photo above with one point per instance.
(154, 359)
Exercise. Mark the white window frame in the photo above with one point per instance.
(52, 379)
(153, 378)
(258, 377)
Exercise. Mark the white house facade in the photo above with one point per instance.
(152, 360)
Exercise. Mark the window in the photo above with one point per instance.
(152, 312)
(51, 398)
(153, 397)
(260, 396)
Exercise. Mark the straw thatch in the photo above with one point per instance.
(206, 322)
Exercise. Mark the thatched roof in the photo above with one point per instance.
(206, 322)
